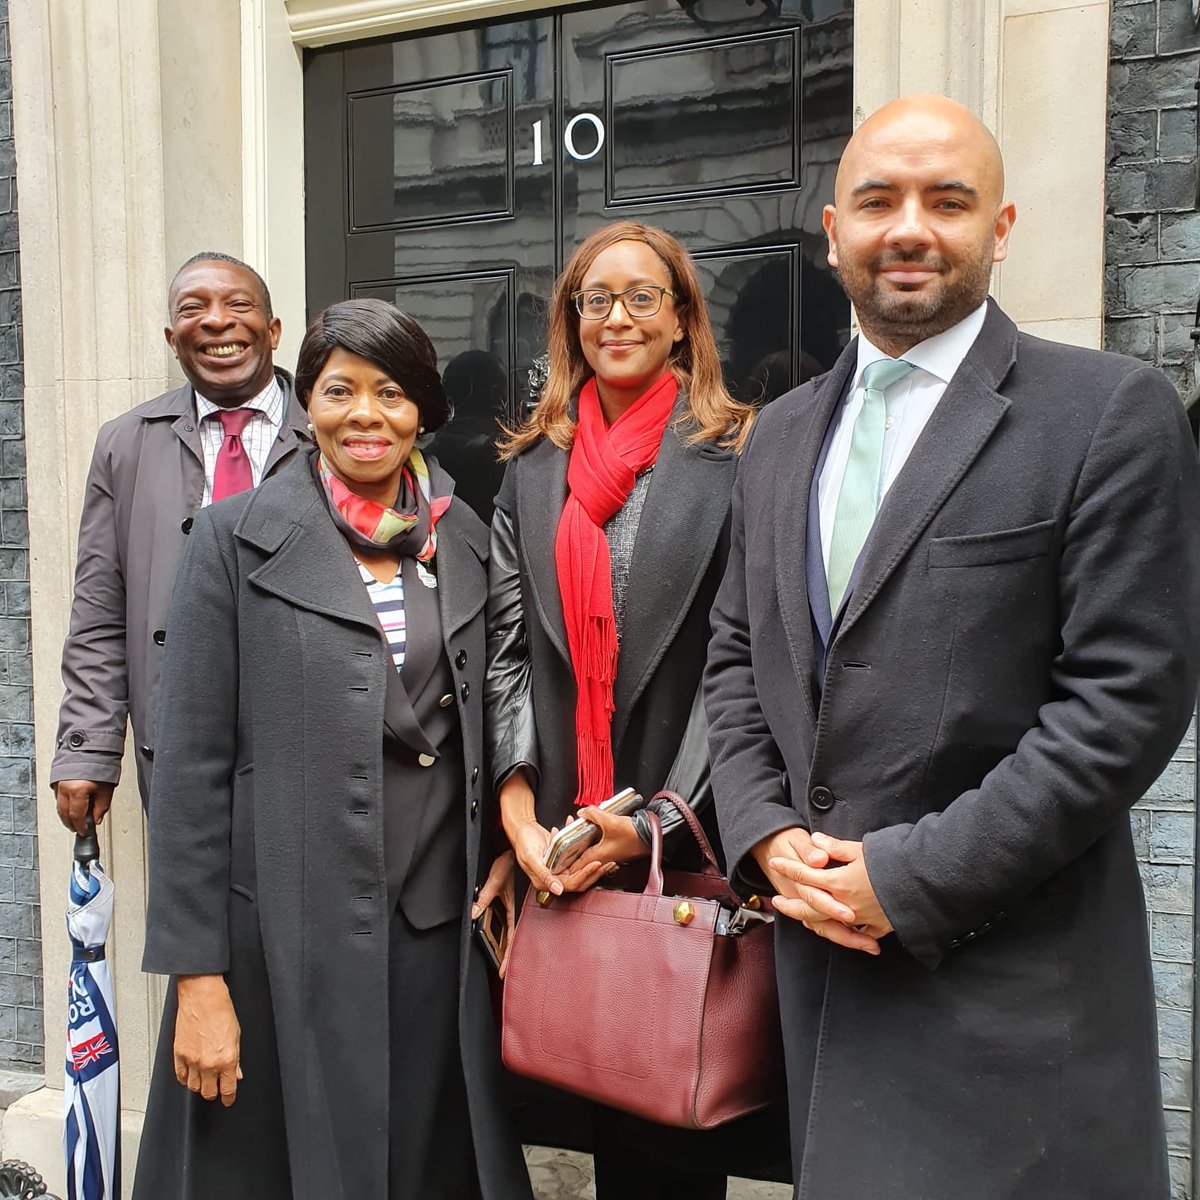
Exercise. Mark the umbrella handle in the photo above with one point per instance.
(87, 848)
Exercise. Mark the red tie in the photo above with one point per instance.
(233, 473)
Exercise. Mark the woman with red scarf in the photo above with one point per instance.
(608, 543)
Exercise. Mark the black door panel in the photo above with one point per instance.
(454, 174)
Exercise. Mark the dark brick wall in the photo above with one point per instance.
(20, 927)
(1152, 279)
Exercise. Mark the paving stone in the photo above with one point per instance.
(563, 1175)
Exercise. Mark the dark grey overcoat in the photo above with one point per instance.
(1014, 668)
(266, 835)
(144, 487)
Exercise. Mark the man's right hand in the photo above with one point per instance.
(208, 1038)
(76, 797)
(817, 910)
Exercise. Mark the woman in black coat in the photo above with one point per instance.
(320, 816)
(608, 543)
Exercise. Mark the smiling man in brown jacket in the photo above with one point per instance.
(229, 426)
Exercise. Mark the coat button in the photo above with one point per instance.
(465, 691)
(460, 659)
(821, 798)
(147, 751)
(426, 760)
(76, 740)
(446, 700)
(160, 637)
(474, 774)
(187, 525)
(474, 809)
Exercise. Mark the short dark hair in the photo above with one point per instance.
(382, 334)
(218, 256)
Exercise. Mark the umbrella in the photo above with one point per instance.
(92, 1098)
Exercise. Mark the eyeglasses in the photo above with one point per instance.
(594, 304)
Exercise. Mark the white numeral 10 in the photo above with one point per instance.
(569, 138)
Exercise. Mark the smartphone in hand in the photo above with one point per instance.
(491, 928)
(572, 840)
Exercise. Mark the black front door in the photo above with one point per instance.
(454, 173)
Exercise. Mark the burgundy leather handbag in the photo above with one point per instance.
(660, 1003)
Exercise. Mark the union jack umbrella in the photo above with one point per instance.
(92, 1105)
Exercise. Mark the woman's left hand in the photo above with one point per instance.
(619, 841)
(501, 882)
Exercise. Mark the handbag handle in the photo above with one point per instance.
(710, 866)
(654, 883)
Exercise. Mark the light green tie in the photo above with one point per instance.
(859, 496)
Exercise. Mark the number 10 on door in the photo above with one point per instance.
(569, 138)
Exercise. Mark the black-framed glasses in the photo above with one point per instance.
(594, 304)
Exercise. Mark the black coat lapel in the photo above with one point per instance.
(310, 563)
(958, 430)
(686, 507)
(461, 566)
(540, 499)
(803, 437)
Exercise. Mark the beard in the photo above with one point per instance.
(893, 314)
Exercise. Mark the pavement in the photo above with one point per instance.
(561, 1175)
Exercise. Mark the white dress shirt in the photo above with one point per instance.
(909, 403)
(257, 438)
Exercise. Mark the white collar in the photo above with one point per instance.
(939, 356)
(265, 402)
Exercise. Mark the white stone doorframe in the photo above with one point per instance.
(146, 131)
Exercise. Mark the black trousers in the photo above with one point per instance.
(431, 1152)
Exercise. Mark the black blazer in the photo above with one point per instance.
(678, 559)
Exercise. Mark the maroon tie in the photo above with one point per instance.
(233, 473)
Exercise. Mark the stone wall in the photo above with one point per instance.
(20, 924)
(1152, 280)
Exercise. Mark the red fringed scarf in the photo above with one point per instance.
(605, 461)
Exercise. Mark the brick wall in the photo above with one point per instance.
(20, 926)
(1152, 279)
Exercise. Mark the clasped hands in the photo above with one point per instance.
(835, 902)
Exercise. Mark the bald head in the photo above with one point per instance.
(922, 125)
(919, 219)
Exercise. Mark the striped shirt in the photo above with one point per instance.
(388, 599)
(257, 438)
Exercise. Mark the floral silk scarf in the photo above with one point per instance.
(409, 527)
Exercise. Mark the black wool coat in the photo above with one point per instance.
(1014, 668)
(678, 560)
(266, 824)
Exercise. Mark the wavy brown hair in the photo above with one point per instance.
(713, 414)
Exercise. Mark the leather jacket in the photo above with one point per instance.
(510, 726)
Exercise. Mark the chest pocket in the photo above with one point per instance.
(992, 549)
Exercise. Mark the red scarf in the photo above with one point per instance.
(605, 460)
